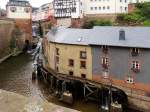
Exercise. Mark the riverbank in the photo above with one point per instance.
(12, 102)
(9, 55)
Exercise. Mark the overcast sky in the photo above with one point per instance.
(34, 3)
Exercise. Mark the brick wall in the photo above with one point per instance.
(25, 25)
(131, 8)
(9, 29)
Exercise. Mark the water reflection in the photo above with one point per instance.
(15, 76)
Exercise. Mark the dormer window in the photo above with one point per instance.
(135, 52)
(105, 49)
(136, 66)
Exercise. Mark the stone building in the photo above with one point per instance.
(117, 56)
(21, 12)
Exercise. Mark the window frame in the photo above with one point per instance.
(130, 80)
(105, 62)
(57, 51)
(71, 72)
(83, 76)
(71, 63)
(135, 52)
(136, 66)
(81, 64)
(82, 53)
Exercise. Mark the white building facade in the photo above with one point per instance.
(44, 12)
(18, 9)
(108, 6)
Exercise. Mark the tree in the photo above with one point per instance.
(98, 22)
(140, 16)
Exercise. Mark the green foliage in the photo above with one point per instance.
(144, 9)
(133, 17)
(141, 15)
(92, 23)
(146, 23)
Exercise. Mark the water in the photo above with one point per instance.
(16, 74)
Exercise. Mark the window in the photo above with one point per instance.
(130, 80)
(135, 52)
(105, 49)
(105, 62)
(57, 60)
(57, 51)
(121, 8)
(83, 75)
(82, 64)
(108, 7)
(104, 8)
(135, 66)
(105, 74)
(71, 62)
(74, 9)
(91, 8)
(71, 73)
(125, 8)
(83, 55)
(13, 9)
(95, 8)
(57, 69)
(27, 10)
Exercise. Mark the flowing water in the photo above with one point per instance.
(16, 74)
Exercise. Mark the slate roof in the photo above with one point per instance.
(102, 35)
(18, 3)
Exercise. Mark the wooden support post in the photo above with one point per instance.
(63, 86)
(52, 79)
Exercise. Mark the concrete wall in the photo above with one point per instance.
(67, 52)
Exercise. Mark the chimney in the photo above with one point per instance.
(122, 35)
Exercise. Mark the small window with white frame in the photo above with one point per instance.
(129, 80)
(105, 62)
(105, 74)
(136, 66)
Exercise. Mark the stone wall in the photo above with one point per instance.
(11, 36)
(6, 28)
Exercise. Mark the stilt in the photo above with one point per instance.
(51, 82)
